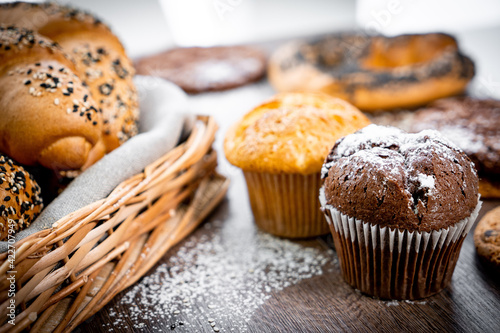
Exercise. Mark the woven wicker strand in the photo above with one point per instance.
(67, 273)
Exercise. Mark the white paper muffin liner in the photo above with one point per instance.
(395, 264)
(286, 205)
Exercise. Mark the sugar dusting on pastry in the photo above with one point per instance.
(386, 176)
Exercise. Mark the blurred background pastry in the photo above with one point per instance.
(203, 69)
(374, 72)
(474, 126)
(487, 238)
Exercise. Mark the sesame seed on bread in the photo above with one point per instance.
(20, 200)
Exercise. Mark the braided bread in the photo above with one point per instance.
(48, 117)
(100, 61)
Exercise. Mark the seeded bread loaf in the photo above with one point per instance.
(100, 61)
(47, 116)
(20, 200)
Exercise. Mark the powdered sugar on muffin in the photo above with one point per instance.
(386, 176)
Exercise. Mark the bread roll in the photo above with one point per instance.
(20, 200)
(100, 60)
(48, 116)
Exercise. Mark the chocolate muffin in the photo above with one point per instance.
(399, 206)
(474, 126)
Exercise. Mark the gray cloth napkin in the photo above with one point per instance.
(164, 115)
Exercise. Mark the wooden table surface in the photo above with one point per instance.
(321, 303)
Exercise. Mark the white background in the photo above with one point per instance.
(148, 26)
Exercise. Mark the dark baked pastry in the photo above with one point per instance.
(487, 237)
(387, 177)
(198, 69)
(20, 200)
(374, 72)
(399, 206)
(474, 126)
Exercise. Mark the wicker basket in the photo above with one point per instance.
(69, 272)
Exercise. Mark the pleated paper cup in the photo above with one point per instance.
(392, 263)
(286, 205)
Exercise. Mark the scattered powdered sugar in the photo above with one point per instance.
(434, 136)
(385, 159)
(392, 303)
(223, 70)
(230, 276)
(361, 140)
(397, 303)
(374, 139)
(416, 302)
(426, 181)
(389, 137)
(216, 71)
(383, 136)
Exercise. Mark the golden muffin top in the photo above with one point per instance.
(291, 133)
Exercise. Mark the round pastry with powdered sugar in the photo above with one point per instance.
(474, 126)
(393, 200)
(201, 69)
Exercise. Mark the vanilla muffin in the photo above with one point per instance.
(399, 206)
(280, 146)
